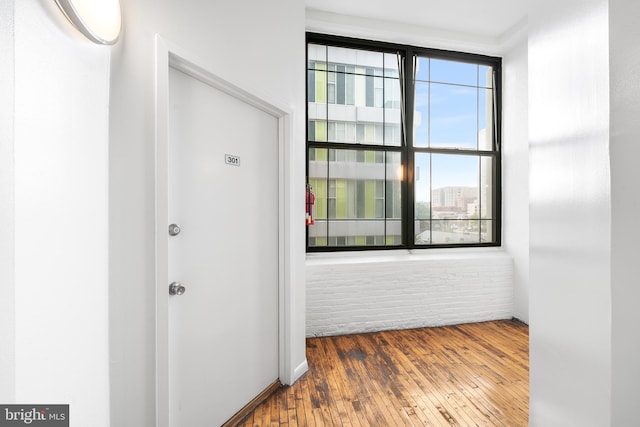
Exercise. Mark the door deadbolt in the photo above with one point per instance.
(176, 288)
(174, 230)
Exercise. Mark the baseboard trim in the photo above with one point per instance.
(515, 319)
(249, 407)
(300, 370)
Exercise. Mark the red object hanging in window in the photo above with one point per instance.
(310, 200)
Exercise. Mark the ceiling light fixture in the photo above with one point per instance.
(99, 20)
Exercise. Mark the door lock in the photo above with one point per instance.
(176, 288)
(174, 230)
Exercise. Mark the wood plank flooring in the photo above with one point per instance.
(464, 375)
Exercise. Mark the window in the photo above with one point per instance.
(403, 146)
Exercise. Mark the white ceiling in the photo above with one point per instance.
(486, 18)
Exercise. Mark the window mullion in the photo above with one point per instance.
(408, 215)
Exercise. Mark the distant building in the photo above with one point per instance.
(455, 199)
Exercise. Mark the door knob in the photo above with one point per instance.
(174, 230)
(176, 288)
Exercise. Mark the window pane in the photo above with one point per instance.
(356, 87)
(423, 232)
(321, 130)
(440, 233)
(485, 76)
(454, 187)
(341, 133)
(451, 232)
(393, 197)
(316, 55)
(422, 69)
(380, 208)
(318, 182)
(452, 170)
(317, 105)
(378, 134)
(331, 89)
(356, 196)
(350, 132)
(311, 84)
(422, 186)
(487, 231)
(364, 58)
(331, 131)
(311, 130)
(485, 119)
(393, 135)
(391, 65)
(453, 116)
(450, 109)
(331, 208)
(486, 187)
(450, 201)
(378, 94)
(369, 134)
(421, 115)
(392, 116)
(422, 198)
(319, 82)
(350, 89)
(453, 72)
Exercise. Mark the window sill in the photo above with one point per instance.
(402, 255)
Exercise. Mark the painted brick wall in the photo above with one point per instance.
(355, 293)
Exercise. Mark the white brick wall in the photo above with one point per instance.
(352, 293)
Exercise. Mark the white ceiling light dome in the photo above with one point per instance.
(99, 20)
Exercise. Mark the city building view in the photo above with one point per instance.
(359, 158)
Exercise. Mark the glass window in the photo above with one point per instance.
(360, 197)
(358, 88)
(362, 164)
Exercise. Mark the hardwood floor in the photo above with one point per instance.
(464, 375)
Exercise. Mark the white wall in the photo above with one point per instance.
(515, 172)
(421, 277)
(570, 301)
(57, 265)
(624, 54)
(364, 293)
(7, 202)
(256, 45)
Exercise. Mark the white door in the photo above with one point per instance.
(223, 194)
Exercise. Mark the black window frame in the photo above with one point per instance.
(407, 149)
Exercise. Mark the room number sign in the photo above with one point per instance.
(232, 160)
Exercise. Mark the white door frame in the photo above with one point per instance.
(169, 55)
